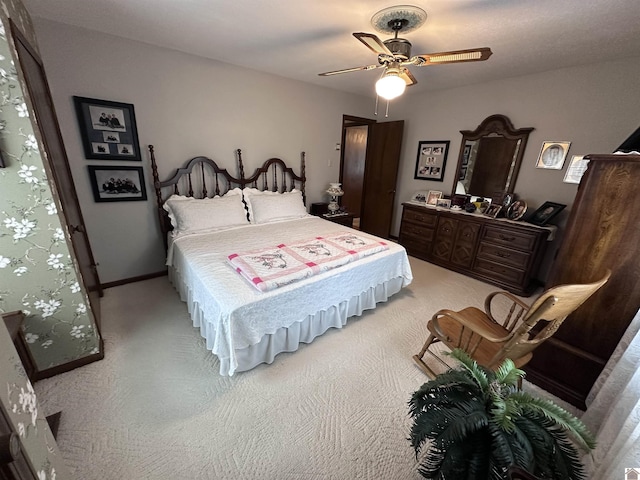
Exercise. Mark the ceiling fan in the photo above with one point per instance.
(394, 54)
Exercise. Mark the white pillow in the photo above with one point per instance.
(249, 193)
(269, 208)
(190, 215)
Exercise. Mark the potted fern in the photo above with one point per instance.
(473, 423)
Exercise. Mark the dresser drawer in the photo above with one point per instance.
(424, 218)
(509, 238)
(503, 255)
(499, 272)
(418, 247)
(419, 231)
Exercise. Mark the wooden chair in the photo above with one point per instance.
(489, 341)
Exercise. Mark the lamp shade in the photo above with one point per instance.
(390, 86)
(334, 190)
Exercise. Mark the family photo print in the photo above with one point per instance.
(108, 129)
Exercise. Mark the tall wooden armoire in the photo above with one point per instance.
(603, 232)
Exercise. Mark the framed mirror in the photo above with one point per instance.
(490, 158)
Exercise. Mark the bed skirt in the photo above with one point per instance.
(288, 339)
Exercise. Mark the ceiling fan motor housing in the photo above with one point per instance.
(400, 48)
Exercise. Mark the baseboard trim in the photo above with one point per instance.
(148, 276)
(66, 367)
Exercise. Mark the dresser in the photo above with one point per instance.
(499, 251)
(603, 232)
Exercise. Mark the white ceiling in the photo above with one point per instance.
(300, 38)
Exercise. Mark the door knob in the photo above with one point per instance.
(9, 448)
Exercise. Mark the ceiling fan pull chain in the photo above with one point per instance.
(375, 112)
(386, 113)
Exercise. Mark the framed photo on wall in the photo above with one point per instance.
(575, 170)
(432, 158)
(552, 155)
(108, 129)
(117, 184)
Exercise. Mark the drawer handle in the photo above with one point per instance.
(503, 255)
(420, 217)
(506, 239)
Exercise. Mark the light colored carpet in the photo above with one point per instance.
(156, 407)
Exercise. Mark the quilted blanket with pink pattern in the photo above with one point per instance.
(270, 268)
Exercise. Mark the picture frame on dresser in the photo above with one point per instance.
(431, 160)
(493, 210)
(108, 129)
(516, 210)
(433, 196)
(545, 212)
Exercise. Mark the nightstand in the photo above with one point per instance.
(345, 218)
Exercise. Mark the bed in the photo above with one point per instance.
(244, 326)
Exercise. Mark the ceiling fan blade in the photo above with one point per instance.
(347, 70)
(456, 56)
(374, 43)
(405, 74)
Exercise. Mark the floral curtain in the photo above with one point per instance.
(613, 410)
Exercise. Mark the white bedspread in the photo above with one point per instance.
(238, 314)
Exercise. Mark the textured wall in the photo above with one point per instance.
(37, 274)
(186, 106)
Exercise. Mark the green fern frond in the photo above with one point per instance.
(504, 411)
(559, 416)
(479, 374)
(501, 451)
(508, 375)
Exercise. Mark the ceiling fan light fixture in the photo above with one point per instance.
(390, 86)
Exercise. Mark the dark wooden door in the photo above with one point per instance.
(57, 165)
(353, 162)
(381, 173)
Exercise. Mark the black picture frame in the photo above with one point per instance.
(544, 213)
(112, 183)
(431, 160)
(108, 129)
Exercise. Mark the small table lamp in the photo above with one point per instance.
(335, 191)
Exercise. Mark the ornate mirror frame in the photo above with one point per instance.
(494, 127)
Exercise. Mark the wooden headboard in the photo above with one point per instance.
(266, 177)
(201, 177)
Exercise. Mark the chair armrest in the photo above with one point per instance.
(477, 328)
(509, 296)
